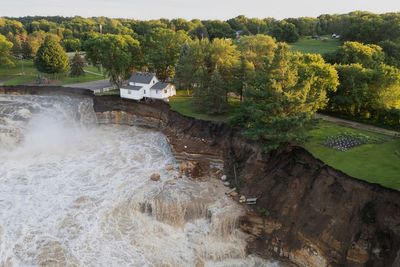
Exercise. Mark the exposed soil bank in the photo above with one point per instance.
(306, 211)
(44, 90)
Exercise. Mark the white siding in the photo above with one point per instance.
(145, 91)
(131, 94)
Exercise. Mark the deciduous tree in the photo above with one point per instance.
(5, 52)
(51, 57)
(118, 54)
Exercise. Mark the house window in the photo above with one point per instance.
(129, 92)
(156, 91)
(144, 91)
(165, 91)
(154, 82)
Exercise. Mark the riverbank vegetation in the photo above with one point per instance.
(269, 77)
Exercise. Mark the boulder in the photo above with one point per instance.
(233, 194)
(223, 177)
(194, 169)
(169, 167)
(242, 199)
(155, 177)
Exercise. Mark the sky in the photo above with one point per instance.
(190, 9)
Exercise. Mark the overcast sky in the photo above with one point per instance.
(189, 9)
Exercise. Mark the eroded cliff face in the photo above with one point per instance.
(44, 90)
(306, 212)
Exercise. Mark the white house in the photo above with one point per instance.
(146, 85)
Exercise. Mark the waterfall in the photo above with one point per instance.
(75, 193)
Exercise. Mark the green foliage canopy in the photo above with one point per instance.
(118, 54)
(51, 57)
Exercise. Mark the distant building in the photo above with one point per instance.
(146, 85)
(335, 36)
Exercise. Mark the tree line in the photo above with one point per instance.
(279, 90)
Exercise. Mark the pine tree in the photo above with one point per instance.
(51, 57)
(77, 64)
(216, 99)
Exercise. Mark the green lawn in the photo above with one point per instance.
(26, 67)
(308, 45)
(376, 163)
(183, 105)
(25, 73)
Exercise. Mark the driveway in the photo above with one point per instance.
(94, 86)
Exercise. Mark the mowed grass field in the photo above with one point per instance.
(24, 72)
(308, 45)
(375, 163)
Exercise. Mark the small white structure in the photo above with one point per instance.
(146, 85)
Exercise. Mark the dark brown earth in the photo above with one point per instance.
(306, 212)
(44, 90)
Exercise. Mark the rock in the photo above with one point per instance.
(186, 167)
(226, 183)
(223, 177)
(155, 177)
(194, 169)
(169, 167)
(242, 199)
(230, 191)
(233, 194)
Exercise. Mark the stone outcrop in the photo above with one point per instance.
(306, 211)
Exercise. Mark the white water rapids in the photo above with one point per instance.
(73, 193)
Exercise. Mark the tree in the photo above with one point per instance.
(31, 45)
(218, 29)
(5, 52)
(385, 90)
(71, 45)
(282, 96)
(162, 51)
(365, 93)
(77, 64)
(392, 52)
(183, 72)
(118, 54)
(209, 68)
(285, 32)
(51, 57)
(368, 55)
(255, 51)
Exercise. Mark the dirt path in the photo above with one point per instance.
(358, 125)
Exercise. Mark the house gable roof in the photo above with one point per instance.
(132, 87)
(141, 77)
(160, 86)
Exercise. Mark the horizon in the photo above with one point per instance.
(189, 9)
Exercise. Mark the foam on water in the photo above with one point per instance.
(76, 194)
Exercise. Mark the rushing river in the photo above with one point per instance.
(73, 193)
